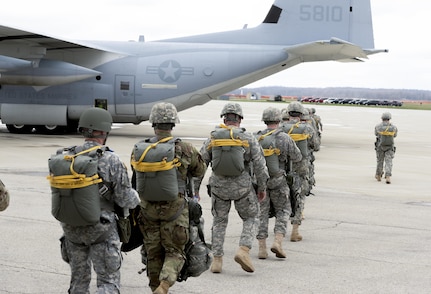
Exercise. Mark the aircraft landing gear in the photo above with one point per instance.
(19, 129)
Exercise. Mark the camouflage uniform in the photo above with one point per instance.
(384, 154)
(100, 244)
(278, 190)
(165, 224)
(302, 168)
(4, 197)
(225, 189)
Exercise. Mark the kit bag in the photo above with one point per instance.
(198, 253)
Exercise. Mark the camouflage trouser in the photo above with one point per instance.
(166, 231)
(303, 170)
(281, 203)
(105, 256)
(384, 158)
(248, 210)
(4, 197)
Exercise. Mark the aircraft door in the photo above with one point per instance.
(125, 94)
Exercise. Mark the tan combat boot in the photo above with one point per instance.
(277, 247)
(388, 179)
(262, 249)
(295, 236)
(216, 265)
(243, 258)
(378, 178)
(163, 288)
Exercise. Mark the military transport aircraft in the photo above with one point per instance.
(47, 82)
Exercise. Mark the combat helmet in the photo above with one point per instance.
(234, 108)
(95, 119)
(386, 116)
(296, 106)
(164, 113)
(285, 114)
(271, 114)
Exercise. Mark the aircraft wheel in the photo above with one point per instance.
(19, 129)
(50, 129)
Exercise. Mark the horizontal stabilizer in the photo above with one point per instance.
(334, 49)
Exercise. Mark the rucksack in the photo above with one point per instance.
(156, 169)
(74, 183)
(271, 153)
(228, 150)
(198, 253)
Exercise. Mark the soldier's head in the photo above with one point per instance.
(232, 114)
(164, 116)
(285, 114)
(271, 115)
(386, 116)
(295, 109)
(95, 123)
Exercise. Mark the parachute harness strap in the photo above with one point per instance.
(155, 166)
(297, 137)
(228, 142)
(386, 132)
(75, 180)
(269, 151)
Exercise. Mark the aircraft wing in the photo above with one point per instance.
(24, 54)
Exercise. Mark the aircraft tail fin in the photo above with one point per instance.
(302, 21)
(291, 22)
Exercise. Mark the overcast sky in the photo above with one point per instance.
(399, 25)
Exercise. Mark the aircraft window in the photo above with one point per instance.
(125, 86)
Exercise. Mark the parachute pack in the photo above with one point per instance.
(74, 183)
(228, 150)
(387, 137)
(156, 169)
(271, 153)
(297, 132)
(198, 253)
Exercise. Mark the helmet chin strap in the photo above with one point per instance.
(90, 134)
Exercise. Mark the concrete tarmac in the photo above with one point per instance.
(359, 235)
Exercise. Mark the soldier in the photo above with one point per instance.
(165, 223)
(279, 150)
(4, 197)
(99, 243)
(385, 148)
(304, 137)
(318, 121)
(232, 152)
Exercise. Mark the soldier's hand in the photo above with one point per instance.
(261, 196)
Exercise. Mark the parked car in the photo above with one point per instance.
(329, 101)
(372, 102)
(346, 101)
(396, 103)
